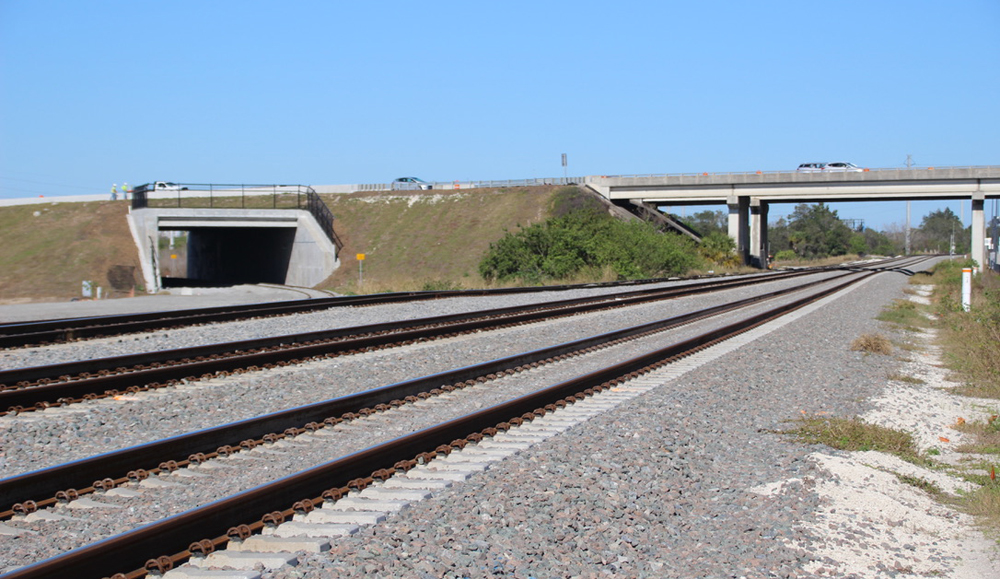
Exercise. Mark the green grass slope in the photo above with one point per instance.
(410, 239)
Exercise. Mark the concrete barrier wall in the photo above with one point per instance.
(312, 258)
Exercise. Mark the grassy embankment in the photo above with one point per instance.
(50, 249)
(426, 240)
(411, 240)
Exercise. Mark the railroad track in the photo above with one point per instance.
(362, 472)
(22, 334)
(40, 387)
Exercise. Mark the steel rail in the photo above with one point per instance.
(129, 553)
(187, 363)
(19, 334)
(40, 487)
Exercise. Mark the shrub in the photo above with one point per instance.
(583, 239)
(720, 249)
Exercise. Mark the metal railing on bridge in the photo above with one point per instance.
(901, 172)
(451, 185)
(221, 196)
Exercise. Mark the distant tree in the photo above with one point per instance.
(938, 229)
(856, 244)
(708, 222)
(816, 231)
(777, 236)
(879, 243)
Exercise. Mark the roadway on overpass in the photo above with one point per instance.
(748, 195)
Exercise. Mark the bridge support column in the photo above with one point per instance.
(739, 225)
(758, 233)
(978, 247)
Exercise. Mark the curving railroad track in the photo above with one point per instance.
(161, 545)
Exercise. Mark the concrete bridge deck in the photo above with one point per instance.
(747, 195)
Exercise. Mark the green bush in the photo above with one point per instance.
(785, 255)
(587, 239)
(720, 249)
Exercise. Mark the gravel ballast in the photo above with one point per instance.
(662, 486)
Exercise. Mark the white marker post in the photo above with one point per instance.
(966, 288)
(361, 269)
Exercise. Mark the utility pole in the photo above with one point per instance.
(909, 163)
(907, 250)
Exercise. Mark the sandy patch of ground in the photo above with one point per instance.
(873, 524)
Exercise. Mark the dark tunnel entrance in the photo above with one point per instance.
(225, 256)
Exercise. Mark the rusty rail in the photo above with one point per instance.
(172, 540)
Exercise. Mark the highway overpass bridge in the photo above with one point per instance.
(748, 195)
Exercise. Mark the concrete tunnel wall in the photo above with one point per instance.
(235, 246)
(239, 255)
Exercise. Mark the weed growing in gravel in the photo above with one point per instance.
(898, 377)
(906, 345)
(853, 434)
(905, 314)
(984, 503)
(986, 435)
(922, 484)
(872, 344)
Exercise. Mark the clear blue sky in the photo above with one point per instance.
(100, 92)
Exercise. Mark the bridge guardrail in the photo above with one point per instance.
(900, 170)
(452, 185)
(223, 196)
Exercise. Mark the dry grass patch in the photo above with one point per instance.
(898, 377)
(970, 339)
(411, 239)
(904, 313)
(50, 248)
(984, 504)
(872, 344)
(853, 434)
(985, 433)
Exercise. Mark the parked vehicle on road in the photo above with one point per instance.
(158, 186)
(842, 167)
(410, 183)
(837, 167)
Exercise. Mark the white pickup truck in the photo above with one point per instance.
(159, 186)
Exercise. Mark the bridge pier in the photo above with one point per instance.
(758, 233)
(978, 248)
(739, 225)
(748, 228)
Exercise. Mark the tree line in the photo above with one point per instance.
(814, 231)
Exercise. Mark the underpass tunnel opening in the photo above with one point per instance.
(225, 256)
